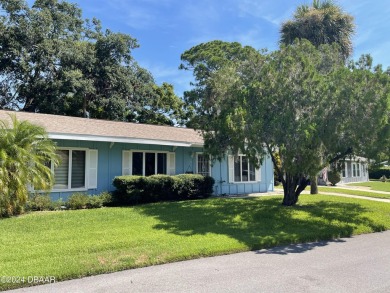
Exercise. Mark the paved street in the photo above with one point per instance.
(357, 264)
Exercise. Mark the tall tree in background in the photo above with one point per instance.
(204, 60)
(54, 61)
(321, 23)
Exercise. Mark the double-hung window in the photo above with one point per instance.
(242, 170)
(146, 163)
(203, 166)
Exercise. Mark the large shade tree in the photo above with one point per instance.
(54, 61)
(323, 22)
(300, 103)
(25, 151)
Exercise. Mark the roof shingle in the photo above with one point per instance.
(106, 130)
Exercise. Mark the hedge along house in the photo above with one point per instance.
(93, 152)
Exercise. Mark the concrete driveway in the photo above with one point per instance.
(357, 264)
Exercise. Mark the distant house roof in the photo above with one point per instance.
(356, 159)
(76, 128)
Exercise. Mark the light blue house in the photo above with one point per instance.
(93, 152)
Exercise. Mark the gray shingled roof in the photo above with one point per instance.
(67, 127)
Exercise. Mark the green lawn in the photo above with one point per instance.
(72, 244)
(353, 192)
(374, 185)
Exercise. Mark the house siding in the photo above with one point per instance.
(110, 166)
(220, 173)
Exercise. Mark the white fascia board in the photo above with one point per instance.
(117, 139)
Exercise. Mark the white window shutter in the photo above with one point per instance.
(93, 169)
(258, 174)
(231, 168)
(126, 163)
(171, 164)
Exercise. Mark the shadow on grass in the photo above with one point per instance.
(262, 222)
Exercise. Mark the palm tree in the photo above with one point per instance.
(322, 23)
(25, 151)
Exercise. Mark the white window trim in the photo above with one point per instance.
(345, 171)
(70, 170)
(257, 172)
(130, 171)
(197, 160)
(354, 174)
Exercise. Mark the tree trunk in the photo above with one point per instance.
(313, 185)
(289, 198)
(85, 114)
(293, 186)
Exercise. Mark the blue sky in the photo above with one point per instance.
(166, 28)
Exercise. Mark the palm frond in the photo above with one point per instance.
(24, 151)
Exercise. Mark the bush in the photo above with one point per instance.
(57, 205)
(39, 202)
(334, 177)
(379, 173)
(140, 189)
(106, 198)
(77, 201)
(94, 202)
(80, 200)
(5, 207)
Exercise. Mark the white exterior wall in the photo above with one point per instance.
(355, 171)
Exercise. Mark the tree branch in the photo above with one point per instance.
(341, 156)
(280, 174)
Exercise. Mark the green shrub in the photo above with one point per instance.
(39, 202)
(5, 207)
(128, 189)
(140, 189)
(77, 201)
(94, 202)
(106, 198)
(334, 177)
(10, 207)
(378, 173)
(58, 205)
(80, 200)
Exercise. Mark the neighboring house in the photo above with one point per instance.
(94, 151)
(354, 169)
